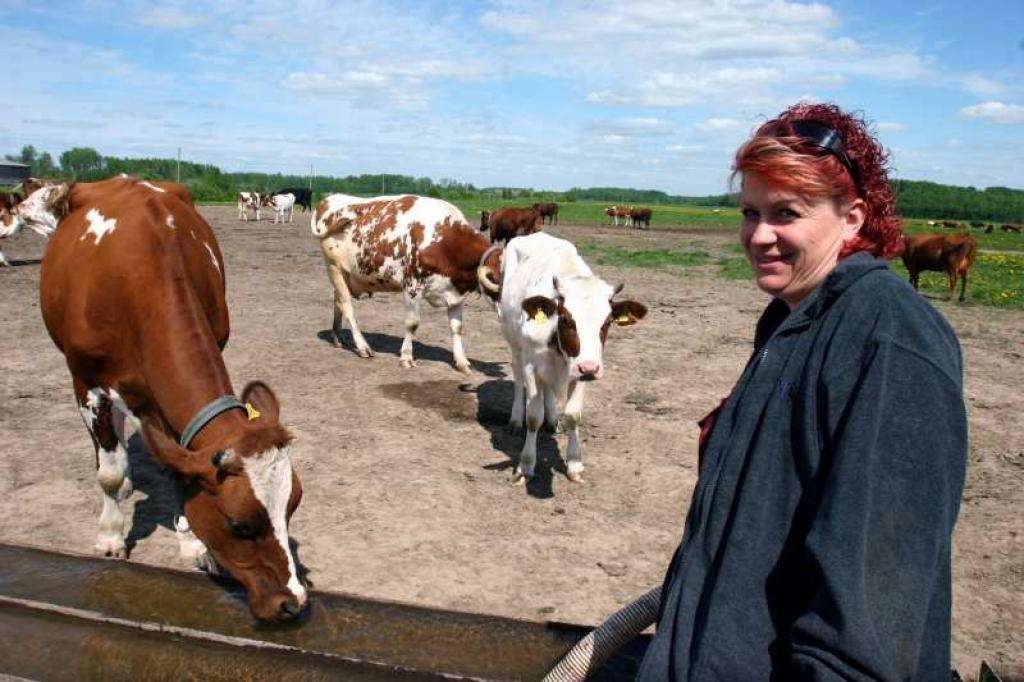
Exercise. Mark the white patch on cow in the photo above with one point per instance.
(98, 225)
(213, 256)
(152, 187)
(169, 220)
(270, 474)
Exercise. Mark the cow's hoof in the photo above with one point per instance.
(336, 342)
(364, 352)
(575, 476)
(407, 364)
(519, 478)
(205, 562)
(465, 369)
(112, 546)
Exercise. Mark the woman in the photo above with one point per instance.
(817, 545)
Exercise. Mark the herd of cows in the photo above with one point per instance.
(146, 351)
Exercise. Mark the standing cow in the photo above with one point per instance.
(420, 246)
(247, 201)
(281, 204)
(303, 196)
(548, 211)
(555, 315)
(132, 293)
(616, 212)
(506, 223)
(952, 254)
(640, 217)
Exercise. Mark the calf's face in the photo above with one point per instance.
(585, 311)
(240, 498)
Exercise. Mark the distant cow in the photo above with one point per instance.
(952, 254)
(640, 216)
(977, 223)
(951, 224)
(420, 246)
(506, 223)
(132, 293)
(555, 316)
(1007, 227)
(12, 220)
(281, 204)
(616, 212)
(548, 212)
(303, 196)
(249, 201)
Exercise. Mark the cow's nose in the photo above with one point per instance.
(589, 370)
(289, 609)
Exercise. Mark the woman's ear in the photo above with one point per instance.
(856, 214)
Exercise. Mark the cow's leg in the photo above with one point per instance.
(516, 418)
(534, 418)
(106, 427)
(190, 548)
(343, 304)
(963, 284)
(951, 275)
(3, 261)
(455, 324)
(412, 323)
(573, 417)
(551, 408)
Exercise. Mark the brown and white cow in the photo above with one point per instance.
(11, 223)
(952, 254)
(616, 212)
(548, 211)
(506, 223)
(555, 315)
(1009, 227)
(132, 293)
(247, 201)
(420, 246)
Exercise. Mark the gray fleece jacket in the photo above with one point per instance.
(817, 545)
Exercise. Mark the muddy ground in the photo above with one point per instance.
(407, 472)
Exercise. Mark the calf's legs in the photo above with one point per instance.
(343, 309)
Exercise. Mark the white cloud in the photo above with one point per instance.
(981, 86)
(890, 127)
(169, 17)
(996, 112)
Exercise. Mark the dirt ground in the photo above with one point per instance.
(407, 472)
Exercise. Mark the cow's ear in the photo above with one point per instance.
(625, 313)
(262, 399)
(181, 461)
(539, 304)
(57, 201)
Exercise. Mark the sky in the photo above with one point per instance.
(650, 94)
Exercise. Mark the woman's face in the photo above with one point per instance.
(792, 245)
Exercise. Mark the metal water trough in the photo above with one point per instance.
(67, 617)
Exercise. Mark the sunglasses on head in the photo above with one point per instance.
(820, 135)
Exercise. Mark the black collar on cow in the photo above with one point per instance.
(206, 415)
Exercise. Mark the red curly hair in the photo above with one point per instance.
(784, 158)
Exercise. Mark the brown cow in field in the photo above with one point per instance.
(640, 216)
(951, 224)
(548, 210)
(1007, 227)
(132, 293)
(952, 254)
(506, 223)
(420, 246)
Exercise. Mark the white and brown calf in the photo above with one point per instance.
(246, 201)
(416, 245)
(555, 315)
(281, 204)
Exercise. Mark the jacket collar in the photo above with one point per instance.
(778, 317)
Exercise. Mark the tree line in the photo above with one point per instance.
(208, 183)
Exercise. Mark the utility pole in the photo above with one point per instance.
(177, 171)
(310, 179)
(382, 184)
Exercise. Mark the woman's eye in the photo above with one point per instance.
(749, 214)
(788, 214)
(242, 529)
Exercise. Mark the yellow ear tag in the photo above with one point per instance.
(252, 412)
(540, 317)
(622, 320)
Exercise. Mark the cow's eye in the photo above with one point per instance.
(243, 529)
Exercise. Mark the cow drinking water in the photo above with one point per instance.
(132, 293)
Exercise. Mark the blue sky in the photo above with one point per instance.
(646, 93)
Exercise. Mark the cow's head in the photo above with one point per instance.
(241, 495)
(10, 222)
(583, 311)
(44, 207)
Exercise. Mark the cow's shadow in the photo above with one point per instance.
(156, 482)
(16, 262)
(494, 403)
(390, 345)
